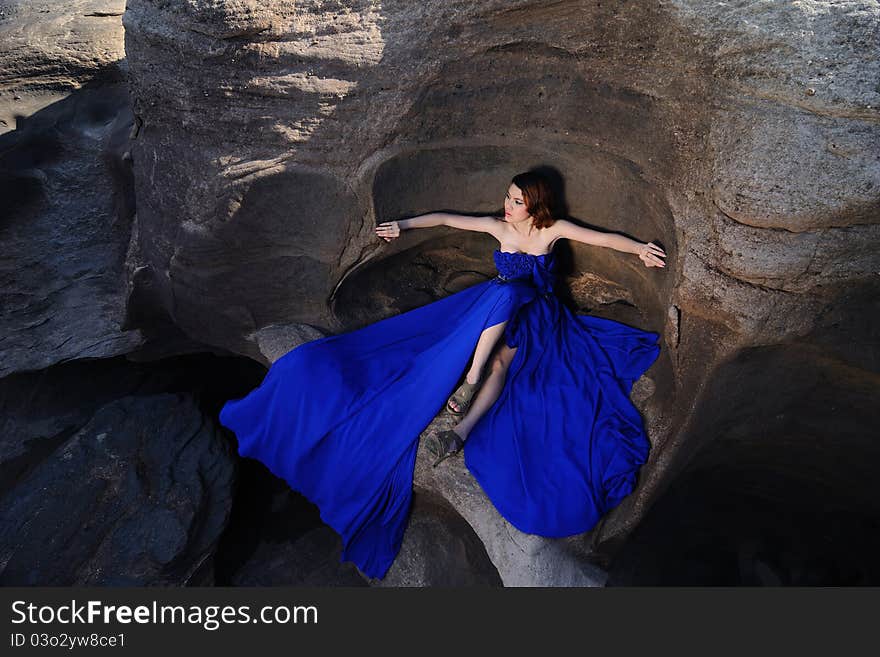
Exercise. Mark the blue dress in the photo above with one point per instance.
(339, 418)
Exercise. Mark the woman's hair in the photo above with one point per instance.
(539, 197)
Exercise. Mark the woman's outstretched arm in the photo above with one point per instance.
(388, 230)
(649, 253)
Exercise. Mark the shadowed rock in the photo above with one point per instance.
(782, 488)
(745, 148)
(67, 188)
(266, 139)
(138, 496)
(440, 548)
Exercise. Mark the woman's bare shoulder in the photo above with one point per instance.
(560, 225)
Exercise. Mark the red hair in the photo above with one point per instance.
(538, 196)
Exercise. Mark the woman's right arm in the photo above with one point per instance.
(388, 230)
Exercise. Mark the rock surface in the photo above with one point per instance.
(59, 44)
(276, 538)
(136, 497)
(521, 559)
(268, 138)
(65, 120)
(440, 548)
(742, 136)
(781, 489)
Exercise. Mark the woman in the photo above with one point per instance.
(527, 227)
(339, 418)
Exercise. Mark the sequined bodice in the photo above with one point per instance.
(517, 265)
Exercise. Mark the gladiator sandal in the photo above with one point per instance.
(463, 396)
(445, 444)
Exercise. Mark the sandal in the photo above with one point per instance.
(463, 396)
(445, 444)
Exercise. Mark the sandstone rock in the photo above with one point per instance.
(54, 47)
(521, 559)
(64, 126)
(266, 139)
(310, 560)
(679, 122)
(779, 487)
(65, 233)
(439, 549)
(275, 341)
(138, 496)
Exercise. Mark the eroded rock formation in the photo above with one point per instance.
(65, 120)
(269, 138)
(743, 137)
(106, 480)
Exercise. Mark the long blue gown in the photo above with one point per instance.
(339, 418)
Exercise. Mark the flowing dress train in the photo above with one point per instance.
(339, 418)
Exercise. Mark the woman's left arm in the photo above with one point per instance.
(649, 253)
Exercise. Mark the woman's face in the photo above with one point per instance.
(515, 206)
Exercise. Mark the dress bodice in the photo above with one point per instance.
(519, 265)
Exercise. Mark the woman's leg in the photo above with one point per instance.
(485, 344)
(489, 391)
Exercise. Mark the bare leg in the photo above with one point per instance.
(483, 350)
(489, 391)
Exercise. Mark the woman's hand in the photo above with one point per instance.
(388, 230)
(651, 255)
